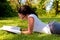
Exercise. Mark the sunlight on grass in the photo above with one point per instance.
(6, 20)
(23, 24)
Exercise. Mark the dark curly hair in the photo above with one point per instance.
(25, 9)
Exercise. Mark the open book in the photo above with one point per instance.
(12, 29)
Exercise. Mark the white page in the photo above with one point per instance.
(13, 29)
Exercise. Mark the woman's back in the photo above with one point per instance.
(38, 24)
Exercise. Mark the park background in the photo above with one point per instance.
(9, 16)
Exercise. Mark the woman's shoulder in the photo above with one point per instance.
(31, 15)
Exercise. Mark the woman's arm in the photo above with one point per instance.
(30, 26)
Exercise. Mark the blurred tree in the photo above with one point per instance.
(38, 5)
(5, 9)
(57, 7)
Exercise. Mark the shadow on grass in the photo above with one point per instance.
(37, 37)
(34, 36)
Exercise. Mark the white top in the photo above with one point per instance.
(39, 26)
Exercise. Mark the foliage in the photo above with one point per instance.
(40, 7)
(6, 10)
(9, 8)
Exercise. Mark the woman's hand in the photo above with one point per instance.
(24, 29)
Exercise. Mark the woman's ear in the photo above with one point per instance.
(19, 14)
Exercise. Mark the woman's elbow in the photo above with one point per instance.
(29, 32)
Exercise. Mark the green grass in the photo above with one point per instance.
(15, 21)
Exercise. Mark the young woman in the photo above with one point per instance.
(34, 24)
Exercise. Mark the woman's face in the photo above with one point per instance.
(23, 17)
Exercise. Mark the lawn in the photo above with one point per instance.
(15, 21)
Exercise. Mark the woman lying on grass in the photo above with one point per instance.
(36, 25)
